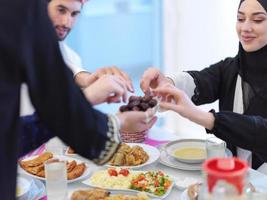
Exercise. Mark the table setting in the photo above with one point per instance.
(157, 164)
(159, 160)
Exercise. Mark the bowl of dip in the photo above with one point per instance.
(187, 150)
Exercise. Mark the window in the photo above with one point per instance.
(125, 33)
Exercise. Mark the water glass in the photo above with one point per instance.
(54, 146)
(215, 147)
(56, 180)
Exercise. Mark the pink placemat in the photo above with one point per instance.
(155, 143)
(35, 152)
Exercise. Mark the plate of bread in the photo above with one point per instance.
(34, 166)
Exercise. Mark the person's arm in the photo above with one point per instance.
(84, 79)
(153, 78)
(184, 81)
(108, 88)
(201, 86)
(33, 134)
(245, 131)
(177, 100)
(58, 101)
(210, 81)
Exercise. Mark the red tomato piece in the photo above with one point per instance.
(112, 172)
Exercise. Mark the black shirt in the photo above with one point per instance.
(248, 130)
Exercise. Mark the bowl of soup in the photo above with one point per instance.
(187, 150)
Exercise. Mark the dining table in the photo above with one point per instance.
(258, 179)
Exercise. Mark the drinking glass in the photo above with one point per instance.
(54, 146)
(56, 180)
(215, 147)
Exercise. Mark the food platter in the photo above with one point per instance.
(172, 162)
(187, 150)
(84, 175)
(166, 160)
(122, 183)
(152, 152)
(96, 193)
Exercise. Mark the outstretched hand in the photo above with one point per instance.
(113, 70)
(152, 79)
(108, 88)
(177, 100)
(174, 99)
(136, 121)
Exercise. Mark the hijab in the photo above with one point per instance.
(253, 68)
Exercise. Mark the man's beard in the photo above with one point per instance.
(62, 32)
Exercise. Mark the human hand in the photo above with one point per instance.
(83, 79)
(174, 99)
(153, 78)
(117, 72)
(136, 121)
(177, 100)
(107, 88)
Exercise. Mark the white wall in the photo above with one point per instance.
(196, 34)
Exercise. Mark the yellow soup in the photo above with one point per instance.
(190, 153)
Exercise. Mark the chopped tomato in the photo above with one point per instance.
(124, 172)
(112, 172)
(156, 183)
(141, 177)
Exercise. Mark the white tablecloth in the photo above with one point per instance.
(257, 179)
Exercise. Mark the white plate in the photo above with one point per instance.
(167, 160)
(171, 147)
(85, 174)
(153, 153)
(33, 189)
(23, 186)
(88, 182)
(70, 192)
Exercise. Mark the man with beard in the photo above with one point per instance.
(110, 80)
(63, 14)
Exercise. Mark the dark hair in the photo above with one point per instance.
(262, 2)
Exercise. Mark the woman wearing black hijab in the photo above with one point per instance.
(238, 83)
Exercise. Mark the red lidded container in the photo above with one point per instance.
(231, 170)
